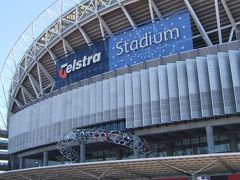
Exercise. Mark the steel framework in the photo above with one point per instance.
(59, 20)
(82, 136)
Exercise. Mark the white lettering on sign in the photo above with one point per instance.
(147, 40)
(67, 68)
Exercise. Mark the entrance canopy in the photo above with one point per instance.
(149, 168)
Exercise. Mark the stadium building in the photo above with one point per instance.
(131, 89)
(4, 157)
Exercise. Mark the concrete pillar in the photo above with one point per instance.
(210, 139)
(118, 154)
(195, 150)
(21, 163)
(233, 142)
(11, 162)
(62, 159)
(170, 149)
(193, 177)
(136, 154)
(104, 156)
(82, 153)
(45, 158)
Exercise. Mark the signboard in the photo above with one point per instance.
(166, 36)
(83, 64)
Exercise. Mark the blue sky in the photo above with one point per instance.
(15, 18)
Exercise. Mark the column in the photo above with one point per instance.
(45, 158)
(237, 31)
(21, 163)
(210, 139)
(195, 150)
(104, 156)
(11, 163)
(62, 159)
(136, 154)
(170, 148)
(193, 177)
(233, 142)
(82, 152)
(118, 154)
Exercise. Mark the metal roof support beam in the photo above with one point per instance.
(2, 120)
(218, 22)
(25, 61)
(231, 35)
(27, 92)
(127, 14)
(19, 104)
(53, 56)
(48, 86)
(215, 30)
(134, 173)
(230, 17)
(153, 6)
(47, 74)
(156, 9)
(105, 173)
(198, 23)
(66, 45)
(14, 59)
(84, 34)
(229, 14)
(40, 44)
(206, 167)
(48, 177)
(34, 89)
(34, 81)
(101, 28)
(177, 169)
(40, 80)
(24, 98)
(104, 24)
(88, 174)
(226, 165)
(151, 10)
(3, 90)
(22, 176)
(52, 88)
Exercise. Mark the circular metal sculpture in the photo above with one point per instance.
(81, 136)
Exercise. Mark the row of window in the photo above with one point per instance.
(182, 147)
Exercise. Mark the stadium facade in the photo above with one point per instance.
(165, 71)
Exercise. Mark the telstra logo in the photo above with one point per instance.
(67, 68)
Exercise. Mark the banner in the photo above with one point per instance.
(163, 37)
(166, 36)
(82, 64)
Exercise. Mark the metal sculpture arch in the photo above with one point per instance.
(80, 136)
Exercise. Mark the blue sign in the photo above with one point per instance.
(163, 37)
(166, 36)
(85, 63)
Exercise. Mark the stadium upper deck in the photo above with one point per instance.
(31, 62)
